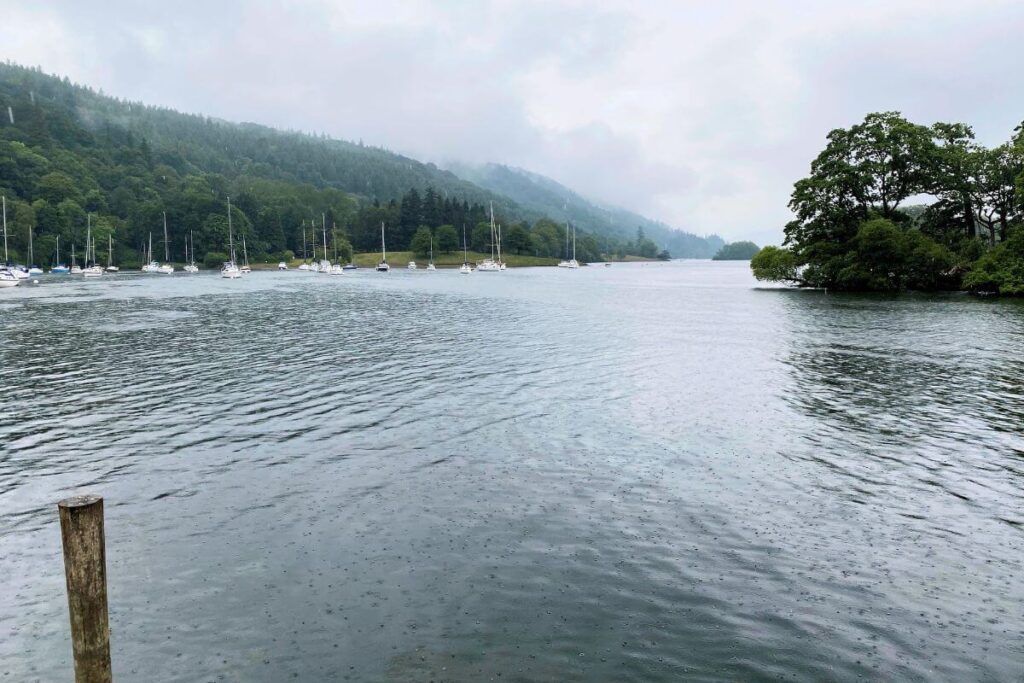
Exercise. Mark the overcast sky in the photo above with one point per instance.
(701, 114)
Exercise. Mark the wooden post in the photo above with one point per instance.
(85, 568)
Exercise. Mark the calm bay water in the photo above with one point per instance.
(645, 472)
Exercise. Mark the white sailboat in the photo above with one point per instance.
(166, 268)
(337, 268)
(21, 273)
(32, 268)
(230, 269)
(190, 265)
(325, 263)
(8, 278)
(111, 268)
(491, 265)
(245, 269)
(314, 266)
(75, 268)
(430, 265)
(59, 268)
(151, 265)
(465, 269)
(382, 266)
(92, 269)
(303, 265)
(573, 263)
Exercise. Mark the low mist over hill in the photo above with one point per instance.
(550, 198)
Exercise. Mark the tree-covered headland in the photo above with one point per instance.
(736, 251)
(892, 205)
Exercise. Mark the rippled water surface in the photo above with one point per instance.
(645, 472)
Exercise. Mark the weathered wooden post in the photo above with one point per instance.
(85, 568)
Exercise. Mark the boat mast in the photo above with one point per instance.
(334, 240)
(150, 255)
(167, 247)
(574, 243)
(492, 230)
(110, 250)
(465, 254)
(88, 237)
(58, 250)
(383, 248)
(31, 256)
(5, 228)
(323, 226)
(499, 242)
(231, 235)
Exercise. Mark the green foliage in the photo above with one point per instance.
(446, 239)
(736, 251)
(516, 240)
(851, 233)
(215, 259)
(775, 264)
(420, 244)
(1001, 270)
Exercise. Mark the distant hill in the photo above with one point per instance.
(68, 152)
(543, 196)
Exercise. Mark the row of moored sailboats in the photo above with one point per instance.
(11, 275)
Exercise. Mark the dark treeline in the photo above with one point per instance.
(67, 152)
(856, 228)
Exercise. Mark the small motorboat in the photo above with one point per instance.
(60, 269)
(412, 265)
(337, 269)
(8, 278)
(383, 267)
(165, 269)
(466, 269)
(231, 270)
(304, 266)
(282, 266)
(245, 270)
(93, 271)
(35, 270)
(350, 266)
(431, 266)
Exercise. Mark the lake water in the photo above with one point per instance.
(647, 472)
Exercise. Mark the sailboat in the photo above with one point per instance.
(572, 263)
(111, 268)
(490, 265)
(75, 268)
(190, 265)
(466, 269)
(8, 276)
(430, 265)
(304, 265)
(313, 266)
(32, 268)
(383, 266)
(325, 263)
(166, 268)
(19, 272)
(59, 268)
(152, 266)
(564, 263)
(230, 269)
(92, 269)
(245, 269)
(337, 268)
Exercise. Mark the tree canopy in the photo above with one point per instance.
(854, 229)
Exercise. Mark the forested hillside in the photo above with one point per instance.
(67, 151)
(558, 202)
